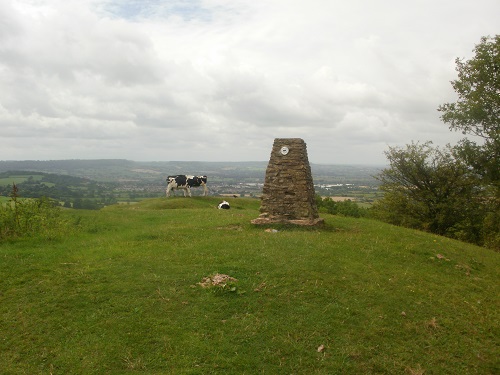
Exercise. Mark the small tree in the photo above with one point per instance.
(477, 110)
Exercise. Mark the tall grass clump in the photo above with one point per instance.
(29, 217)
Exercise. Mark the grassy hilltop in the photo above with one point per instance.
(122, 295)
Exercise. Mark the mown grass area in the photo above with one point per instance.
(355, 297)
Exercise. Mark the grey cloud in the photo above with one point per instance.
(116, 79)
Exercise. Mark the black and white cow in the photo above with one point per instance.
(184, 182)
(224, 205)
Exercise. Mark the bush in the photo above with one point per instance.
(435, 190)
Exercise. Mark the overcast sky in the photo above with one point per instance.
(218, 80)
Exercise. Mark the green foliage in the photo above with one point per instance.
(434, 190)
(477, 112)
(344, 208)
(29, 217)
(357, 296)
(455, 191)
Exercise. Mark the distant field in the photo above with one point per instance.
(122, 294)
(16, 179)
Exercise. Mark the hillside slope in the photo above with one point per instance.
(355, 297)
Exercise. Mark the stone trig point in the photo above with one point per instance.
(288, 194)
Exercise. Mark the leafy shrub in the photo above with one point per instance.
(433, 189)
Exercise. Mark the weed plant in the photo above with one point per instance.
(357, 296)
(30, 218)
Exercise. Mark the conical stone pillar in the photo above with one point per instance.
(288, 195)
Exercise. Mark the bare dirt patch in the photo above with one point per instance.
(218, 279)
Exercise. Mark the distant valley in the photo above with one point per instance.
(101, 182)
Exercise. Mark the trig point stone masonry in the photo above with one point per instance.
(288, 195)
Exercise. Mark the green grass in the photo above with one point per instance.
(122, 296)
